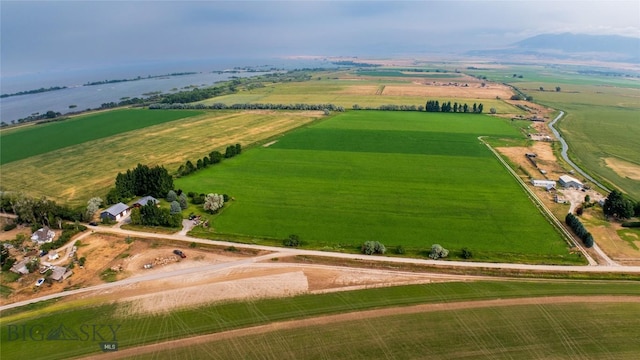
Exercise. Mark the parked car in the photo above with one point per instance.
(93, 223)
(43, 253)
(179, 253)
(40, 282)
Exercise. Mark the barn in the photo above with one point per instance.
(549, 184)
(570, 182)
(115, 212)
(145, 200)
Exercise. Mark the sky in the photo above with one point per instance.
(41, 36)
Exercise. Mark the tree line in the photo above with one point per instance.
(579, 229)
(214, 157)
(247, 106)
(435, 106)
(140, 181)
(151, 215)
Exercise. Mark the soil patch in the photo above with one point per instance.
(623, 168)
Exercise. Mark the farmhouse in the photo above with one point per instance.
(21, 266)
(115, 212)
(570, 182)
(44, 235)
(549, 184)
(145, 200)
(60, 273)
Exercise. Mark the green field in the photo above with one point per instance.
(28, 141)
(602, 119)
(409, 74)
(401, 178)
(607, 329)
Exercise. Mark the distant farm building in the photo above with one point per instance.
(115, 212)
(145, 200)
(44, 235)
(570, 182)
(21, 266)
(548, 184)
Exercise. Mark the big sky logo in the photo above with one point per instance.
(105, 334)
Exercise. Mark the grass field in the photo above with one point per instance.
(74, 174)
(348, 89)
(601, 121)
(34, 140)
(409, 179)
(514, 332)
(606, 330)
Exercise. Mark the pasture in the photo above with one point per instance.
(28, 141)
(601, 124)
(73, 174)
(402, 178)
(347, 88)
(550, 329)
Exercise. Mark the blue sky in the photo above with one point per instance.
(40, 36)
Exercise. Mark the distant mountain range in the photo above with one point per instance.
(571, 46)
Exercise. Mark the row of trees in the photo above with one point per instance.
(214, 157)
(579, 229)
(141, 181)
(41, 211)
(435, 106)
(247, 106)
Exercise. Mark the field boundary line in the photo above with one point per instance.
(540, 205)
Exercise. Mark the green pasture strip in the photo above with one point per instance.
(137, 330)
(409, 74)
(508, 332)
(364, 176)
(39, 139)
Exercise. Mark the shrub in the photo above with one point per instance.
(399, 250)
(631, 224)
(437, 252)
(9, 227)
(292, 241)
(466, 253)
(373, 247)
(193, 245)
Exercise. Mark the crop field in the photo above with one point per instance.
(410, 74)
(404, 179)
(348, 89)
(34, 140)
(74, 174)
(550, 329)
(601, 122)
(601, 127)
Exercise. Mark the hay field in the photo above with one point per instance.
(75, 173)
(348, 89)
(402, 178)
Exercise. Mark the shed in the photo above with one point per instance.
(116, 212)
(21, 266)
(570, 182)
(145, 200)
(58, 272)
(544, 183)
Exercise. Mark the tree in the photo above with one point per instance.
(475, 107)
(175, 207)
(292, 241)
(171, 196)
(541, 88)
(437, 252)
(92, 206)
(493, 110)
(182, 200)
(373, 247)
(466, 253)
(480, 108)
(238, 149)
(558, 89)
(213, 203)
(617, 206)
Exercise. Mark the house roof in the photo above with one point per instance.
(143, 201)
(116, 209)
(44, 234)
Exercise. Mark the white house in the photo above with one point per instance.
(116, 212)
(570, 182)
(44, 235)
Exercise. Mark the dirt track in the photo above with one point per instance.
(331, 319)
